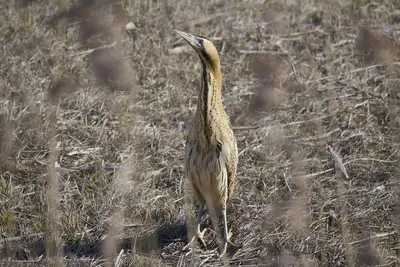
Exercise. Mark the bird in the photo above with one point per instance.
(211, 154)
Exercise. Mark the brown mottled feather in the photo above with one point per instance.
(211, 149)
(231, 168)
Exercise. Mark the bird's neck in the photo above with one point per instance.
(210, 92)
(209, 101)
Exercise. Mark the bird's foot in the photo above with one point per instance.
(200, 236)
(230, 242)
(233, 244)
(224, 248)
(225, 243)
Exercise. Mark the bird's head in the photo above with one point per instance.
(204, 47)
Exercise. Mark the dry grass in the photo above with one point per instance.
(94, 117)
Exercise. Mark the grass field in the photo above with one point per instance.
(97, 97)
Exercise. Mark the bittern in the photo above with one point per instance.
(211, 149)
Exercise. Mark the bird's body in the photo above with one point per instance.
(211, 150)
(211, 157)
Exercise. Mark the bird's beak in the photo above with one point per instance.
(191, 39)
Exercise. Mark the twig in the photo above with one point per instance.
(305, 121)
(353, 71)
(296, 76)
(89, 51)
(248, 147)
(201, 20)
(373, 67)
(343, 42)
(113, 168)
(311, 175)
(17, 238)
(246, 127)
(285, 124)
(339, 162)
(22, 262)
(179, 49)
(268, 52)
(287, 184)
(119, 257)
(320, 136)
(299, 33)
(371, 159)
(344, 83)
(373, 237)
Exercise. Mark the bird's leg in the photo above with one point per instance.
(200, 234)
(225, 237)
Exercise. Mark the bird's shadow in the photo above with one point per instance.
(168, 236)
(29, 248)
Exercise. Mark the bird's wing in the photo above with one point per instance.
(231, 166)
